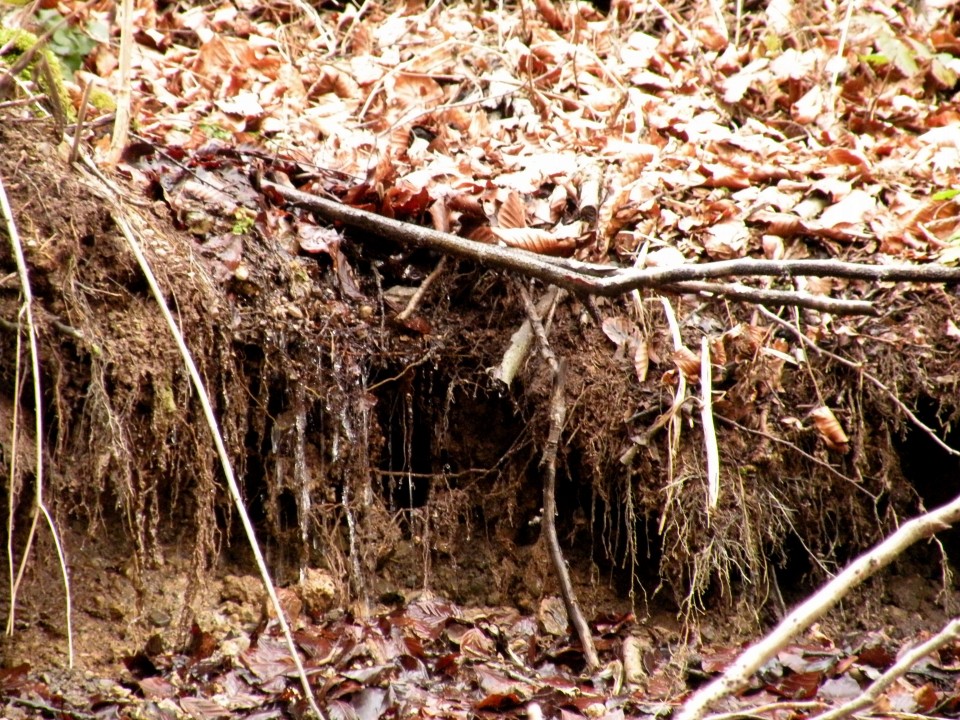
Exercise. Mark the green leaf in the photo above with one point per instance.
(901, 55)
(948, 194)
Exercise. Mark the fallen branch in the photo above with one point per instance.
(949, 634)
(558, 414)
(610, 280)
(119, 217)
(738, 674)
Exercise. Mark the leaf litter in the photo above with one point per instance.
(477, 120)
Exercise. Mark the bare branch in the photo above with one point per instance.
(609, 280)
(738, 674)
(947, 635)
(778, 298)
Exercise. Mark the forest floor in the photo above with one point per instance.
(387, 435)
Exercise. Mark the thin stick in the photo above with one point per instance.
(12, 490)
(520, 341)
(558, 413)
(121, 121)
(221, 449)
(39, 506)
(948, 634)
(417, 298)
(709, 430)
(737, 675)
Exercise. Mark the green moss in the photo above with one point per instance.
(21, 41)
(102, 100)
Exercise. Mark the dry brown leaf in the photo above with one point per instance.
(552, 615)
(726, 240)
(483, 234)
(688, 362)
(512, 213)
(535, 240)
(772, 247)
(555, 19)
(830, 430)
(779, 223)
(475, 644)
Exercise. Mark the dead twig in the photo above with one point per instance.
(520, 341)
(39, 507)
(757, 296)
(538, 330)
(121, 120)
(610, 280)
(923, 427)
(558, 413)
(738, 674)
(417, 298)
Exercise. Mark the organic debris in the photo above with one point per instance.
(378, 396)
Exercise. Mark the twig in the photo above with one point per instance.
(558, 412)
(948, 634)
(709, 430)
(211, 419)
(521, 340)
(537, 325)
(121, 121)
(422, 290)
(78, 128)
(40, 506)
(923, 427)
(759, 296)
(609, 281)
(737, 675)
(769, 707)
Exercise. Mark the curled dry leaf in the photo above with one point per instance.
(627, 337)
(476, 645)
(779, 223)
(555, 19)
(483, 234)
(535, 240)
(718, 351)
(772, 247)
(688, 362)
(830, 429)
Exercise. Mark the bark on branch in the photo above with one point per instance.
(610, 280)
(738, 674)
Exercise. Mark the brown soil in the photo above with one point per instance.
(339, 421)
